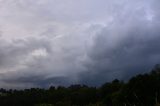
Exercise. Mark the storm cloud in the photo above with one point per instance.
(55, 42)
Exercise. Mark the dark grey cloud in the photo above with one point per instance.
(35, 81)
(36, 62)
(90, 42)
(123, 49)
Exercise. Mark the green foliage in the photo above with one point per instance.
(44, 105)
(141, 90)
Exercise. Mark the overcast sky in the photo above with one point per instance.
(61, 42)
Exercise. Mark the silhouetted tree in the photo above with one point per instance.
(141, 90)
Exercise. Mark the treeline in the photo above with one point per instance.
(141, 90)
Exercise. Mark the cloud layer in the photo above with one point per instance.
(56, 42)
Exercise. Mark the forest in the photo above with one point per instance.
(140, 90)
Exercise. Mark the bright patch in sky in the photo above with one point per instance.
(39, 53)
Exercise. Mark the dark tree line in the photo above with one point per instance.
(141, 90)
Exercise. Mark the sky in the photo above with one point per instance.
(63, 42)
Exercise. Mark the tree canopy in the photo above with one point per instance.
(140, 90)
